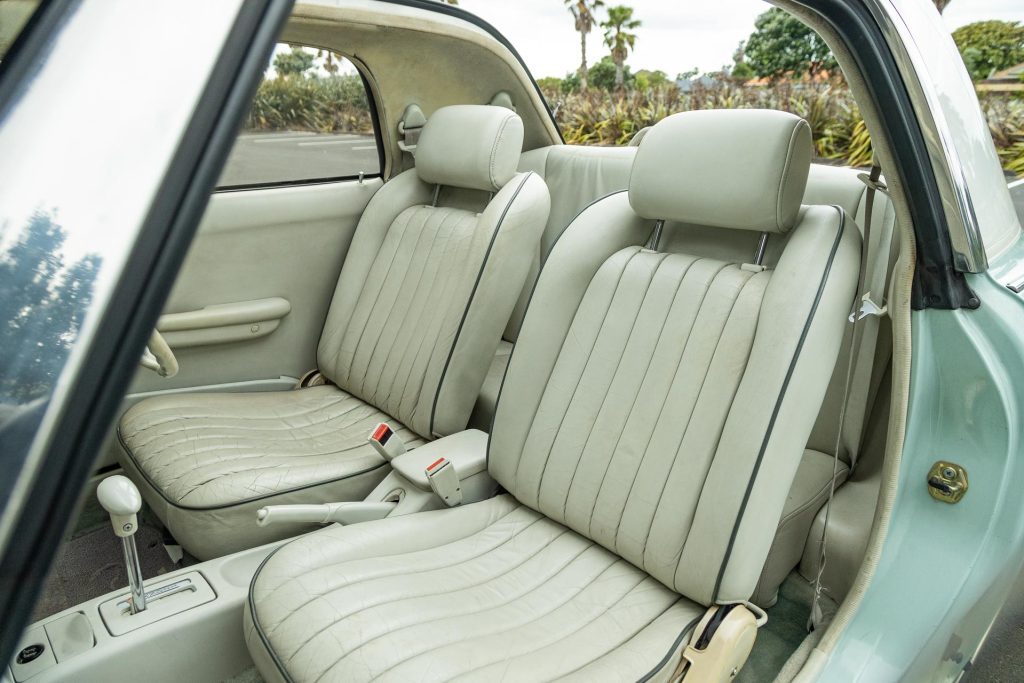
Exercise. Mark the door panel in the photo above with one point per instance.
(257, 250)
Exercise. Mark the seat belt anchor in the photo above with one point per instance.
(868, 307)
(444, 481)
(384, 440)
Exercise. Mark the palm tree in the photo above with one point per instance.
(583, 12)
(618, 38)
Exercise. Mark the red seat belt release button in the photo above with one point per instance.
(444, 481)
(386, 442)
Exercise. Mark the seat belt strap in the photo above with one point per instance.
(875, 259)
(874, 270)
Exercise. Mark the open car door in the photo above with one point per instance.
(115, 121)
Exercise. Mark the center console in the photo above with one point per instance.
(187, 625)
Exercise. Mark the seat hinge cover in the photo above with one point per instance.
(720, 644)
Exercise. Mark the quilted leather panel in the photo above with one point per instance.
(392, 350)
(629, 423)
(212, 450)
(483, 592)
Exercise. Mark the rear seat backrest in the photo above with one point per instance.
(576, 176)
(659, 405)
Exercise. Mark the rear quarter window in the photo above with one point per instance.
(310, 121)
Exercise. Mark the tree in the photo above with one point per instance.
(604, 73)
(618, 38)
(583, 13)
(646, 80)
(742, 72)
(294, 63)
(782, 45)
(42, 304)
(988, 46)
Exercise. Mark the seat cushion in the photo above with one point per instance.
(487, 591)
(207, 462)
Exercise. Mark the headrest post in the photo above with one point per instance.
(762, 244)
(437, 191)
(655, 239)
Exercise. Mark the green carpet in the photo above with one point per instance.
(785, 630)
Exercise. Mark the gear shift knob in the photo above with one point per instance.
(121, 499)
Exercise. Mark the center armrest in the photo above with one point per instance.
(466, 451)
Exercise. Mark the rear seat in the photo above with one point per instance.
(576, 176)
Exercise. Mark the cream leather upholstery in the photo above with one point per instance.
(494, 591)
(768, 193)
(576, 176)
(210, 461)
(470, 146)
(423, 296)
(653, 415)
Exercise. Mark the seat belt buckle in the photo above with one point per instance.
(444, 481)
(386, 442)
(868, 307)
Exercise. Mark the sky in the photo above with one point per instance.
(676, 35)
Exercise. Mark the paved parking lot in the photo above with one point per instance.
(275, 157)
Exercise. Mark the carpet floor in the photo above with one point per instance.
(90, 563)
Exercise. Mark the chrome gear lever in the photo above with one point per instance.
(122, 501)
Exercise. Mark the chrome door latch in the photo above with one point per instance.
(947, 482)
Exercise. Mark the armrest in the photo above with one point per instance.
(222, 323)
(466, 451)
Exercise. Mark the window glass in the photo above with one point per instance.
(310, 120)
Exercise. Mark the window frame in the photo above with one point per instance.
(374, 111)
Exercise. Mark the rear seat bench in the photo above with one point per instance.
(577, 176)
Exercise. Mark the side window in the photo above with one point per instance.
(310, 121)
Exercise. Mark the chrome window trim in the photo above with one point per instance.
(961, 218)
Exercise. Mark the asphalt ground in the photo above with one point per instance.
(259, 158)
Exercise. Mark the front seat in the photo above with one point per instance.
(427, 285)
(654, 412)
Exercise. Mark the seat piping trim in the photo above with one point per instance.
(778, 401)
(533, 291)
(225, 506)
(671, 651)
(255, 618)
(469, 304)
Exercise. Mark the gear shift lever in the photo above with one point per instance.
(121, 499)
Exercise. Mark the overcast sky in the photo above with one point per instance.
(677, 35)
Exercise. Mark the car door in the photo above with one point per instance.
(115, 120)
(248, 306)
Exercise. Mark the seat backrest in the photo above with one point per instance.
(576, 176)
(433, 272)
(658, 402)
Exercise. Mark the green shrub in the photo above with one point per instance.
(598, 117)
(334, 104)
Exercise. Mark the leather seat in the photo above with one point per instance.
(429, 281)
(577, 176)
(653, 415)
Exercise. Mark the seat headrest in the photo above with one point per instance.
(727, 168)
(472, 146)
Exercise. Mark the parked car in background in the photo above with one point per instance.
(331, 352)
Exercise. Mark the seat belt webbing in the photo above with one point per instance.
(857, 384)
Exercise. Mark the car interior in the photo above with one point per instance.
(492, 406)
